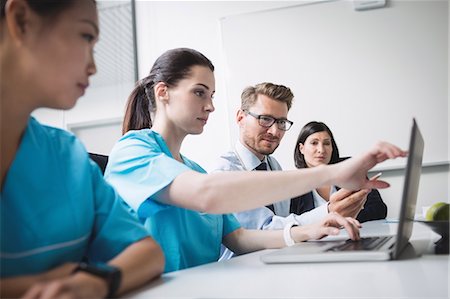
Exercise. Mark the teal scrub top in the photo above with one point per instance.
(56, 207)
(139, 166)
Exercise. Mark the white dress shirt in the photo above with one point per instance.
(242, 159)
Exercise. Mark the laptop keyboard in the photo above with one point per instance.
(369, 243)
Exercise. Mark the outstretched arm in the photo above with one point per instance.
(238, 191)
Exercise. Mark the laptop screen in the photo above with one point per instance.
(410, 189)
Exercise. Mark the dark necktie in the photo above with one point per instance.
(263, 167)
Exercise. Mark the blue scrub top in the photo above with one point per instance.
(56, 207)
(140, 165)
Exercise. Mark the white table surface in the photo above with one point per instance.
(419, 273)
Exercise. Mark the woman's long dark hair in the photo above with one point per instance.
(309, 129)
(171, 67)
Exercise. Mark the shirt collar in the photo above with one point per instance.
(247, 157)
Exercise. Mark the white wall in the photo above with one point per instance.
(364, 73)
(163, 25)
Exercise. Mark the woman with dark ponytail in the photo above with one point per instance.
(170, 69)
(181, 205)
(65, 232)
(139, 108)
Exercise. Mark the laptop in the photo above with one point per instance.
(374, 248)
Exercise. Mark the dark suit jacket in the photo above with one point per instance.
(374, 207)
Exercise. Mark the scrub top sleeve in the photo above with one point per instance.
(114, 228)
(230, 224)
(138, 170)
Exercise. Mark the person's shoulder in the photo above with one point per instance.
(144, 138)
(228, 158)
(133, 146)
(274, 163)
(56, 146)
(146, 135)
(193, 165)
(227, 161)
(43, 130)
(54, 137)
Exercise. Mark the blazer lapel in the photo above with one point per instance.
(302, 204)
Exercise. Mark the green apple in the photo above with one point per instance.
(438, 211)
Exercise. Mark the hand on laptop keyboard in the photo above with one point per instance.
(330, 225)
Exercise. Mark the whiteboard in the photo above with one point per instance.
(364, 73)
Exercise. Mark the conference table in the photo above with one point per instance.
(418, 273)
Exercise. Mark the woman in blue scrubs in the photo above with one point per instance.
(64, 231)
(181, 205)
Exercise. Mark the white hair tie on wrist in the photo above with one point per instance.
(287, 234)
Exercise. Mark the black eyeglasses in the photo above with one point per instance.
(267, 121)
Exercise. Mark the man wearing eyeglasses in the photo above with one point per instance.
(262, 121)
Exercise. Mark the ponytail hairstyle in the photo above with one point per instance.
(171, 67)
(309, 129)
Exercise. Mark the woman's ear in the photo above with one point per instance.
(18, 19)
(301, 147)
(161, 92)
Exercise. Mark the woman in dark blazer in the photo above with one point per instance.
(315, 146)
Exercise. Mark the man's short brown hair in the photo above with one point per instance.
(279, 93)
